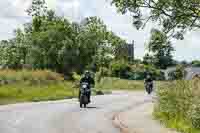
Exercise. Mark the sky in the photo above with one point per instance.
(13, 15)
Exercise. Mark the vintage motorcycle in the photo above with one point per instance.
(84, 92)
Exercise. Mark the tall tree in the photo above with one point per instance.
(38, 11)
(161, 48)
(53, 42)
(38, 8)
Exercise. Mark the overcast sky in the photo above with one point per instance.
(13, 15)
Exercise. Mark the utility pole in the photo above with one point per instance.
(133, 43)
(131, 52)
(133, 56)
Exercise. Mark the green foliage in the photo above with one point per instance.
(23, 92)
(52, 42)
(178, 105)
(194, 113)
(157, 74)
(161, 48)
(178, 74)
(120, 69)
(196, 63)
(38, 8)
(121, 52)
(108, 83)
(124, 70)
(148, 59)
(76, 77)
(119, 84)
(98, 77)
(30, 76)
(105, 72)
(175, 16)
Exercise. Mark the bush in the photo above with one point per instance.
(136, 75)
(12, 76)
(124, 70)
(178, 74)
(179, 104)
(119, 84)
(98, 77)
(23, 92)
(157, 74)
(120, 69)
(194, 113)
(196, 63)
(76, 77)
(104, 72)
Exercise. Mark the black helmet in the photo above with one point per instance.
(87, 74)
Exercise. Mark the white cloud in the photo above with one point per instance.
(51, 4)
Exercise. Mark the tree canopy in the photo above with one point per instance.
(161, 49)
(53, 42)
(175, 16)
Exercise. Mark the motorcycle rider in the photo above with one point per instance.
(88, 79)
(149, 80)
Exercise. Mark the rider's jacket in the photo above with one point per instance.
(88, 80)
(148, 80)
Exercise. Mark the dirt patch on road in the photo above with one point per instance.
(119, 124)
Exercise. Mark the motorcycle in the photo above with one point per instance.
(84, 91)
(149, 87)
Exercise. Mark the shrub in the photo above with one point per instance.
(76, 77)
(119, 84)
(157, 74)
(179, 102)
(178, 74)
(98, 77)
(194, 113)
(120, 69)
(12, 76)
(22, 92)
(196, 63)
(104, 72)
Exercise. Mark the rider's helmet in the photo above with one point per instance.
(87, 74)
(148, 76)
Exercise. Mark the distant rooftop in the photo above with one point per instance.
(191, 72)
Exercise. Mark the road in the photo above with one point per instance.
(66, 117)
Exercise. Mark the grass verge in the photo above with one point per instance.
(23, 92)
(178, 106)
(110, 84)
(178, 123)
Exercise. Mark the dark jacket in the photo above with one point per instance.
(148, 80)
(88, 80)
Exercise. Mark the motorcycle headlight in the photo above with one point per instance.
(84, 86)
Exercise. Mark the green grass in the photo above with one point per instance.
(11, 76)
(178, 105)
(44, 90)
(119, 84)
(23, 92)
(178, 123)
(33, 86)
(43, 85)
(122, 84)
